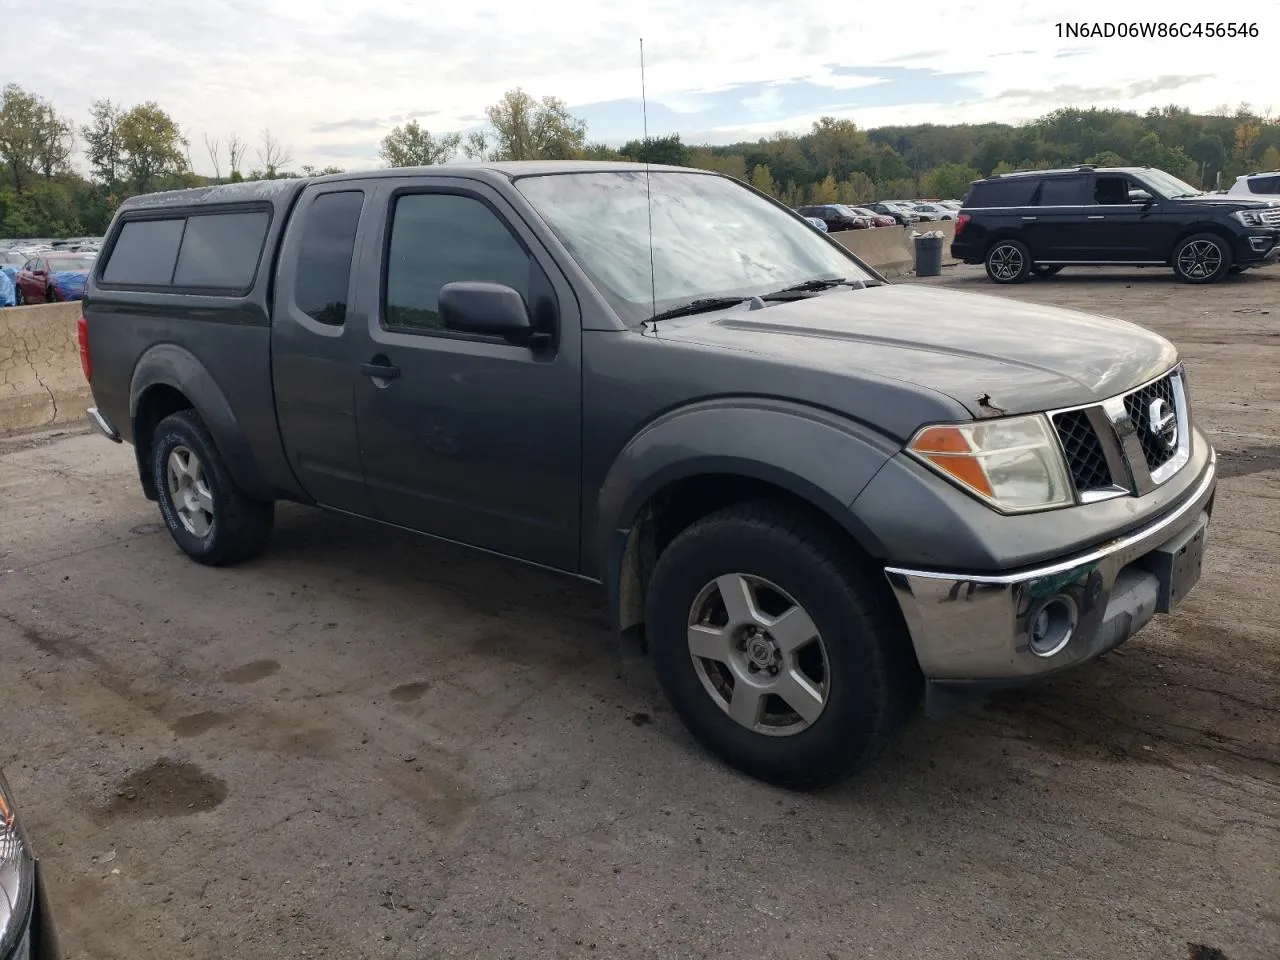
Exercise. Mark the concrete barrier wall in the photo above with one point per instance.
(41, 382)
(40, 377)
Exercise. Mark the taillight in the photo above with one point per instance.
(82, 334)
(960, 222)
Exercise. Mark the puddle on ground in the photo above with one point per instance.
(167, 788)
(409, 691)
(251, 672)
(195, 724)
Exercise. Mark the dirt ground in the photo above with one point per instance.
(369, 745)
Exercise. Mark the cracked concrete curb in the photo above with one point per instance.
(41, 382)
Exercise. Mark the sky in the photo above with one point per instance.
(330, 79)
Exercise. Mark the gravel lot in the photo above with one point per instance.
(369, 745)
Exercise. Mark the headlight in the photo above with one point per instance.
(1250, 218)
(1012, 463)
(17, 875)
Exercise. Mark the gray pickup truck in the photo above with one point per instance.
(810, 494)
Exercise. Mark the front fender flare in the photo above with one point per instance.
(821, 457)
(176, 367)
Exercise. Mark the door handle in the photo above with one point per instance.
(1095, 216)
(1028, 218)
(381, 371)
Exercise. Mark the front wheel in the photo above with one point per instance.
(1008, 261)
(1202, 258)
(780, 653)
(210, 518)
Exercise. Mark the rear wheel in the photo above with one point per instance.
(1202, 258)
(208, 516)
(1008, 261)
(1046, 269)
(49, 295)
(778, 650)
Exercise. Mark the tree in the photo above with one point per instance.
(837, 145)
(949, 180)
(528, 129)
(57, 137)
(824, 191)
(732, 165)
(102, 142)
(762, 179)
(273, 156)
(858, 189)
(478, 146)
(235, 155)
(150, 145)
(669, 150)
(310, 171)
(1271, 159)
(214, 148)
(412, 146)
(23, 128)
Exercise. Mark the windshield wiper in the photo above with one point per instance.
(701, 305)
(817, 283)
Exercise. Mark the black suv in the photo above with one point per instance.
(1038, 222)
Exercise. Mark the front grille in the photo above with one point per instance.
(1083, 449)
(1138, 406)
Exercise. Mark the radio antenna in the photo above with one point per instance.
(648, 193)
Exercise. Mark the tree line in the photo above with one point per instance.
(141, 148)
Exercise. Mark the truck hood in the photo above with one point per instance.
(991, 354)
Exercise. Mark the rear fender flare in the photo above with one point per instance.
(173, 366)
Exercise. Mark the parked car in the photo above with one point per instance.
(934, 211)
(875, 219)
(1264, 185)
(835, 216)
(26, 925)
(1038, 222)
(901, 215)
(817, 223)
(933, 492)
(10, 263)
(54, 277)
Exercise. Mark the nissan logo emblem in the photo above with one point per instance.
(1162, 423)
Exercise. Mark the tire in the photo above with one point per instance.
(218, 524)
(49, 296)
(18, 300)
(1201, 258)
(1008, 261)
(1046, 269)
(862, 676)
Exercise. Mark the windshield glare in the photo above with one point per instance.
(712, 237)
(1167, 185)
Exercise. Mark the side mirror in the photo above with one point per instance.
(1141, 196)
(494, 309)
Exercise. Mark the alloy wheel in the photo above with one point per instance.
(189, 491)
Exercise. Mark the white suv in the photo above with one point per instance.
(1257, 185)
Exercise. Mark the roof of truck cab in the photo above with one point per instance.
(283, 190)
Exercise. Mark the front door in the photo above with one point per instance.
(1118, 227)
(464, 436)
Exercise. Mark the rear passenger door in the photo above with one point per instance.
(1052, 228)
(467, 436)
(315, 340)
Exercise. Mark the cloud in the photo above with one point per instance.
(328, 77)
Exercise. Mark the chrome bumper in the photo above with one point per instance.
(979, 628)
(102, 424)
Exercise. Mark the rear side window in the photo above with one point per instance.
(206, 251)
(1006, 192)
(221, 250)
(1062, 192)
(1264, 184)
(144, 253)
(324, 257)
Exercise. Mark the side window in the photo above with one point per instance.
(145, 252)
(1264, 184)
(1062, 192)
(324, 257)
(1111, 191)
(441, 238)
(1005, 192)
(221, 250)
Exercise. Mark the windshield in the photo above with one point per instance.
(59, 263)
(711, 238)
(1167, 185)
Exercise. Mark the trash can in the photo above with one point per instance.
(928, 254)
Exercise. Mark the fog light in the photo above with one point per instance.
(1050, 625)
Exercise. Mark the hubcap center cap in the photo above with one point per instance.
(761, 650)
